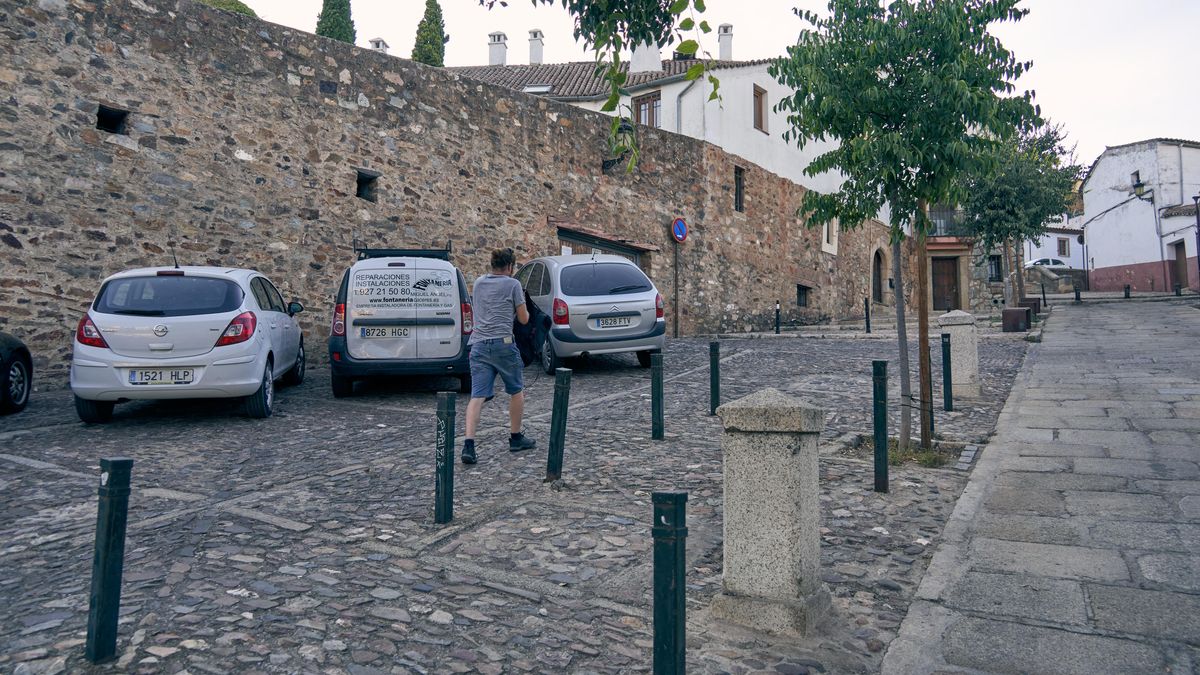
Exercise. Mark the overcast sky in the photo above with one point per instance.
(1112, 71)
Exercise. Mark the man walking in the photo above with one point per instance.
(497, 299)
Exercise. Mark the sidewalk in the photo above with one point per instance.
(1076, 546)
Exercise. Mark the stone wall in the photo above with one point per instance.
(242, 148)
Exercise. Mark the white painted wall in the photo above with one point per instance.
(1047, 247)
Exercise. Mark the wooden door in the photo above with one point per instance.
(1179, 268)
(945, 284)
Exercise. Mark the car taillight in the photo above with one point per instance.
(658, 306)
(468, 318)
(88, 334)
(562, 315)
(239, 330)
(339, 320)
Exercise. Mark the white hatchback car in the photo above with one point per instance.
(185, 332)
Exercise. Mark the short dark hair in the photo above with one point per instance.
(503, 257)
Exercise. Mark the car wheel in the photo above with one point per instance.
(342, 386)
(644, 358)
(93, 412)
(550, 360)
(16, 381)
(295, 376)
(258, 404)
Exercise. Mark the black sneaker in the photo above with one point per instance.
(518, 442)
(468, 454)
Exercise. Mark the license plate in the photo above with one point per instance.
(614, 322)
(388, 332)
(176, 376)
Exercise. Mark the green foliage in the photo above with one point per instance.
(430, 47)
(916, 93)
(334, 21)
(231, 6)
(1031, 186)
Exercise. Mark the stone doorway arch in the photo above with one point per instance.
(877, 272)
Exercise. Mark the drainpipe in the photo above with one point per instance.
(679, 109)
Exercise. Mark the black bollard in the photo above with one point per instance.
(656, 397)
(777, 317)
(1178, 290)
(1126, 291)
(443, 497)
(879, 380)
(1045, 302)
(670, 589)
(104, 604)
(867, 313)
(714, 377)
(558, 424)
(947, 380)
(1077, 300)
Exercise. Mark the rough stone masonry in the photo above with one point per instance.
(244, 143)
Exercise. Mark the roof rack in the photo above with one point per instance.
(363, 253)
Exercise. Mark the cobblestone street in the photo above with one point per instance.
(305, 542)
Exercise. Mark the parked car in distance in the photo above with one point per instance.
(185, 332)
(594, 304)
(400, 312)
(1048, 262)
(16, 374)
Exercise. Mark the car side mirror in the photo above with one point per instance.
(294, 308)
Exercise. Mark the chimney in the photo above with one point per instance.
(725, 40)
(535, 46)
(378, 44)
(497, 49)
(646, 59)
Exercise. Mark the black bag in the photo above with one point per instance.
(530, 336)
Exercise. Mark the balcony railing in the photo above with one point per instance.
(950, 223)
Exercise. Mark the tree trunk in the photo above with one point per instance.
(905, 434)
(1009, 301)
(923, 333)
(1019, 267)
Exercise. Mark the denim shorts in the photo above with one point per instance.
(491, 358)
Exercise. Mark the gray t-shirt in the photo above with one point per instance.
(494, 301)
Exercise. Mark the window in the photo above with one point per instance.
(760, 108)
(1064, 246)
(168, 296)
(995, 269)
(112, 120)
(801, 295)
(829, 236)
(535, 280)
(739, 189)
(277, 303)
(648, 110)
(368, 185)
(603, 278)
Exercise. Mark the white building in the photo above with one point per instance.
(1061, 242)
(1139, 216)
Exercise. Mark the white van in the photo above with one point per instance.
(400, 312)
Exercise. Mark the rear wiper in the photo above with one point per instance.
(631, 287)
(140, 312)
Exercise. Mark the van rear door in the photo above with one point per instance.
(438, 314)
(380, 310)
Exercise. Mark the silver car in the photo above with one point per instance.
(594, 304)
(185, 332)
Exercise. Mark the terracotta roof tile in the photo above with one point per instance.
(1181, 210)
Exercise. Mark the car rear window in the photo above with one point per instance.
(603, 279)
(168, 296)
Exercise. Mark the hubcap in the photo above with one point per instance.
(269, 386)
(18, 383)
(300, 361)
(547, 354)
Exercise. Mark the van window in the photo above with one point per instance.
(603, 279)
(168, 296)
(535, 279)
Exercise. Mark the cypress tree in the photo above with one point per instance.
(334, 21)
(430, 47)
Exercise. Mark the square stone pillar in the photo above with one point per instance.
(964, 352)
(772, 542)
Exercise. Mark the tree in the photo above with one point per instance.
(1031, 187)
(916, 93)
(334, 21)
(231, 6)
(430, 47)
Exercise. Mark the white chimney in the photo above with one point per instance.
(725, 40)
(536, 41)
(378, 44)
(497, 49)
(646, 59)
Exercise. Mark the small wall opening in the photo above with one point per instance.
(739, 189)
(802, 295)
(112, 120)
(368, 185)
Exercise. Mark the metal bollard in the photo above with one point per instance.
(558, 424)
(777, 317)
(1126, 291)
(670, 589)
(1045, 302)
(947, 380)
(1077, 300)
(867, 313)
(656, 397)
(1178, 290)
(714, 377)
(443, 480)
(879, 380)
(104, 603)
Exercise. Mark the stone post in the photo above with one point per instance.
(772, 541)
(964, 352)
